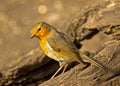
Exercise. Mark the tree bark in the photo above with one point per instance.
(95, 30)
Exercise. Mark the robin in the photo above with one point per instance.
(58, 46)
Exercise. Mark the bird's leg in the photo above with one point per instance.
(64, 68)
(57, 72)
(62, 64)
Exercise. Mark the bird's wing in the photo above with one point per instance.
(61, 44)
(66, 49)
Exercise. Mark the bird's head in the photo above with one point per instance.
(41, 30)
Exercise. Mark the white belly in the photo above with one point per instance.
(51, 54)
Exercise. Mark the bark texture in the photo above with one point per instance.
(96, 32)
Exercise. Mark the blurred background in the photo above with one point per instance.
(17, 18)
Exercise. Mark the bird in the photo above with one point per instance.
(57, 46)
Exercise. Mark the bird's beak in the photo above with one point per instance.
(32, 36)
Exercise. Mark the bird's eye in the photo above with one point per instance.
(39, 29)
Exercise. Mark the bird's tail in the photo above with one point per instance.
(90, 60)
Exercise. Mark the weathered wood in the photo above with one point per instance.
(99, 22)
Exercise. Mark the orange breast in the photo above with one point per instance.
(44, 33)
(43, 46)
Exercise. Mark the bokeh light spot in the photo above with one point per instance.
(42, 9)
